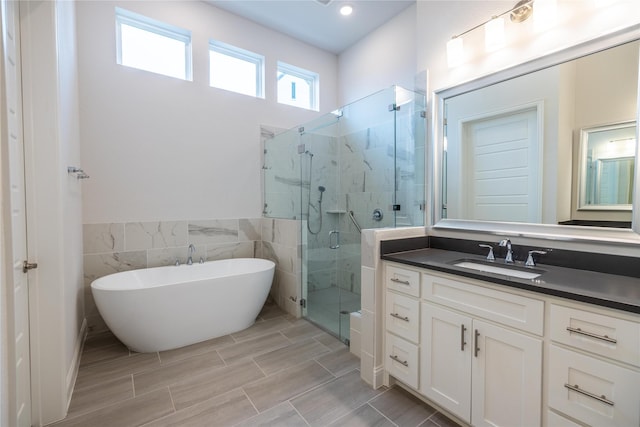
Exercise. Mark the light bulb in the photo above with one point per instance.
(346, 10)
(455, 52)
(545, 14)
(494, 34)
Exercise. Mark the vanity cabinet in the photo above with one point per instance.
(483, 372)
(496, 356)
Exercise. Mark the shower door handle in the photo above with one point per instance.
(331, 240)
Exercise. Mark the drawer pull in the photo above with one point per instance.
(592, 335)
(397, 359)
(476, 344)
(577, 389)
(402, 282)
(462, 341)
(397, 316)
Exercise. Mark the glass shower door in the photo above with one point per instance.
(361, 167)
(350, 167)
(320, 180)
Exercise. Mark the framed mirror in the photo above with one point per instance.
(606, 167)
(509, 154)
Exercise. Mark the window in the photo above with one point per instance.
(153, 46)
(297, 87)
(235, 69)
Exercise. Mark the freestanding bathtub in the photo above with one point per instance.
(163, 308)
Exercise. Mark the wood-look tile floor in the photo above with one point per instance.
(279, 372)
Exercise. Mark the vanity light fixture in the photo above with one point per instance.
(546, 15)
(494, 34)
(494, 30)
(455, 51)
(346, 10)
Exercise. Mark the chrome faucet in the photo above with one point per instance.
(191, 249)
(509, 258)
(490, 256)
(530, 261)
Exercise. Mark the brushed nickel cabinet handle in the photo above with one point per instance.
(592, 335)
(397, 316)
(397, 359)
(477, 343)
(462, 341)
(577, 389)
(402, 282)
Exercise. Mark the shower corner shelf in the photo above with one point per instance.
(336, 211)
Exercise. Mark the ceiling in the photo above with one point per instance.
(317, 23)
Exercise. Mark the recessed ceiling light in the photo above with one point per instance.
(346, 10)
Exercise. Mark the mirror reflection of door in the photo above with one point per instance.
(607, 167)
(613, 182)
(501, 167)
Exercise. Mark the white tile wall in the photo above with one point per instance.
(111, 248)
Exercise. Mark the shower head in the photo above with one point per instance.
(321, 190)
(309, 153)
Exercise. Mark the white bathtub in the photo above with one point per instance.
(162, 308)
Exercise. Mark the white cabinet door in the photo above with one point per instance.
(445, 365)
(506, 377)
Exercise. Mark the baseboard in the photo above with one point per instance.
(72, 375)
(378, 376)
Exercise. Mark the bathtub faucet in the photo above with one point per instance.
(192, 249)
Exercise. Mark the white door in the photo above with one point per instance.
(446, 359)
(501, 167)
(506, 378)
(18, 293)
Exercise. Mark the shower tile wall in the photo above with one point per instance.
(115, 247)
(367, 172)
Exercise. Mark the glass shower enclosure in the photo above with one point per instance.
(358, 167)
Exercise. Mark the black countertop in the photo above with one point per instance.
(595, 287)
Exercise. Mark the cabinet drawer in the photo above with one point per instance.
(517, 311)
(604, 335)
(555, 420)
(592, 391)
(402, 360)
(403, 316)
(403, 280)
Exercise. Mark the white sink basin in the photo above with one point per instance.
(498, 270)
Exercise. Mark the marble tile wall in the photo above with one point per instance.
(371, 335)
(115, 247)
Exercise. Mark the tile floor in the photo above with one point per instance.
(279, 372)
(324, 307)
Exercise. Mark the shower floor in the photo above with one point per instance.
(324, 307)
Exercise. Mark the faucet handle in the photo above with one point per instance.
(530, 261)
(490, 255)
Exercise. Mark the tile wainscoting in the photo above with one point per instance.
(115, 247)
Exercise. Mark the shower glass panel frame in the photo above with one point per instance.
(363, 163)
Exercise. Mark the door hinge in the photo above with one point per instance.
(303, 302)
(26, 266)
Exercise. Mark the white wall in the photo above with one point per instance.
(385, 57)
(159, 148)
